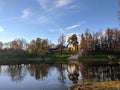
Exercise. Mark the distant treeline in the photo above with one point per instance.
(103, 41)
(106, 41)
(21, 47)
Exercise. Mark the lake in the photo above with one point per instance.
(53, 76)
(36, 77)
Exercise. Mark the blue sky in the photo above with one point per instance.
(30, 19)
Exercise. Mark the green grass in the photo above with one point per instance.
(53, 58)
(58, 55)
(95, 56)
(12, 59)
(98, 58)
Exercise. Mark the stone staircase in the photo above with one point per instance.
(75, 56)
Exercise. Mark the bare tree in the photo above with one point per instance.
(61, 41)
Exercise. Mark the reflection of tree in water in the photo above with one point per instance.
(61, 70)
(105, 73)
(73, 73)
(16, 72)
(74, 76)
(39, 71)
(77, 69)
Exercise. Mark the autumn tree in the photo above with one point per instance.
(44, 47)
(107, 41)
(83, 43)
(18, 46)
(38, 47)
(61, 41)
(87, 42)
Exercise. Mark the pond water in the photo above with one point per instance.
(36, 77)
(52, 76)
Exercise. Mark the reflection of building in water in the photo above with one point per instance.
(105, 73)
(74, 73)
(74, 76)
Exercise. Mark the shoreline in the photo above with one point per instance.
(110, 85)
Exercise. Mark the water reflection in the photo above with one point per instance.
(105, 73)
(61, 70)
(73, 73)
(77, 73)
(36, 76)
(39, 71)
(50, 76)
(16, 72)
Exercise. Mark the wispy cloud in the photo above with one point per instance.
(62, 3)
(1, 29)
(61, 30)
(25, 13)
(72, 27)
(43, 3)
(75, 26)
(55, 4)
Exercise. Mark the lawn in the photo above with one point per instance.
(99, 56)
(58, 55)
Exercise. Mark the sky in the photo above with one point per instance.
(48, 19)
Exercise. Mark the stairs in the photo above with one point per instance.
(75, 56)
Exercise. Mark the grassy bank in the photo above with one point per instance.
(12, 59)
(112, 85)
(56, 55)
(99, 58)
(53, 58)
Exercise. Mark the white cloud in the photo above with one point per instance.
(101, 35)
(25, 13)
(72, 27)
(62, 3)
(49, 5)
(43, 3)
(1, 29)
(61, 30)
